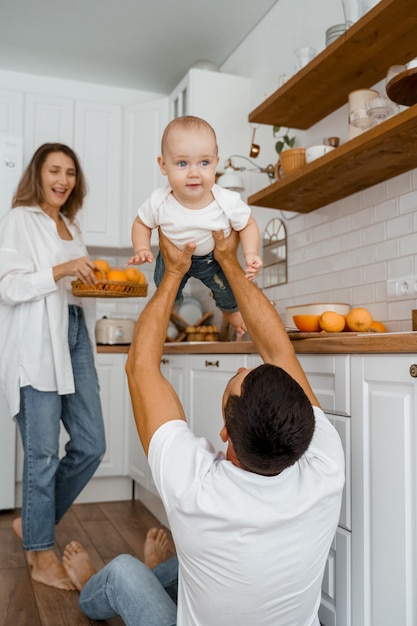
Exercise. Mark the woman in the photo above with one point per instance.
(47, 369)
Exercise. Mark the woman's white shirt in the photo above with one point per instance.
(33, 307)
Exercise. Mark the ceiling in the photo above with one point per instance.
(147, 45)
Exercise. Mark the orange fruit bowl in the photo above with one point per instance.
(307, 323)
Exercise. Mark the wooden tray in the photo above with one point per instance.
(109, 289)
(402, 88)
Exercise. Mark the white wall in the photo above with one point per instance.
(346, 251)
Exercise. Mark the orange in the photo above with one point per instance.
(100, 275)
(359, 320)
(377, 327)
(117, 274)
(135, 276)
(332, 322)
(307, 323)
(101, 264)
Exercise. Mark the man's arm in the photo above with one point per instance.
(154, 400)
(262, 321)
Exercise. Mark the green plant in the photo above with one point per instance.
(283, 140)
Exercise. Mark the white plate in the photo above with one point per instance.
(190, 311)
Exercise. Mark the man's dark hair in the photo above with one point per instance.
(271, 423)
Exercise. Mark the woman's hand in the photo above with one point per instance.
(82, 268)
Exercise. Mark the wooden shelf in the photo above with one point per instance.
(382, 152)
(358, 59)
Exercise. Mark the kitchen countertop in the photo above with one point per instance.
(304, 343)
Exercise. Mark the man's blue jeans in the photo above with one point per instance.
(126, 587)
(206, 269)
(51, 484)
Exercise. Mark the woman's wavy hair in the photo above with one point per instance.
(29, 191)
(271, 423)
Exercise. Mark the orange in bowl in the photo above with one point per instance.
(102, 265)
(118, 275)
(135, 276)
(307, 323)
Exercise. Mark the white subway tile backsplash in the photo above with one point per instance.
(373, 195)
(408, 202)
(373, 234)
(400, 226)
(408, 244)
(398, 185)
(386, 210)
(386, 250)
(399, 267)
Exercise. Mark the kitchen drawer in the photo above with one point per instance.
(329, 376)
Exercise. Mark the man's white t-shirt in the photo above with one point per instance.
(251, 549)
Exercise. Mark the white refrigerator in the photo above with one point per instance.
(11, 165)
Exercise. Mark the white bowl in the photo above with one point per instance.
(315, 152)
(316, 308)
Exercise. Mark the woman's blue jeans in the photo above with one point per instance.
(126, 587)
(51, 484)
(206, 269)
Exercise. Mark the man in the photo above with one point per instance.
(253, 529)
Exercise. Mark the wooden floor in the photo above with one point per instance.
(105, 529)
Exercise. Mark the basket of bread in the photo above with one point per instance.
(202, 333)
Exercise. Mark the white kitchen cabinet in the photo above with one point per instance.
(223, 100)
(48, 119)
(209, 375)
(174, 368)
(143, 127)
(384, 504)
(11, 112)
(113, 394)
(97, 141)
(329, 377)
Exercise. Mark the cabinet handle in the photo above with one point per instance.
(212, 363)
(413, 370)
(164, 361)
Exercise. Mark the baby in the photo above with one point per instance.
(190, 207)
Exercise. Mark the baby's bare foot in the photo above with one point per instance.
(155, 547)
(17, 527)
(77, 564)
(48, 570)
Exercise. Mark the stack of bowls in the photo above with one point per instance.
(334, 32)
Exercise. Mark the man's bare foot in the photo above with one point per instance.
(77, 564)
(155, 547)
(17, 527)
(236, 320)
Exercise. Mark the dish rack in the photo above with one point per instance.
(198, 332)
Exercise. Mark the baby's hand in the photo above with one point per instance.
(254, 264)
(140, 257)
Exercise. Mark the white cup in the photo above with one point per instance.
(303, 56)
(315, 152)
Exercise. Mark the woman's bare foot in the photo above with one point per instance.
(17, 527)
(155, 547)
(236, 320)
(48, 570)
(77, 564)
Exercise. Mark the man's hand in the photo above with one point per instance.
(226, 247)
(176, 261)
